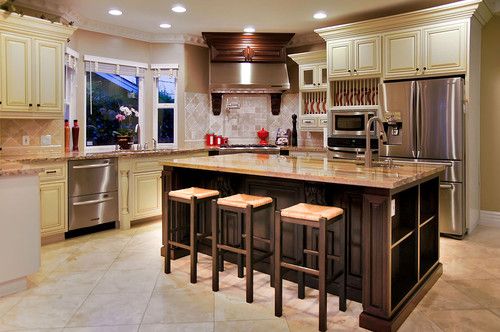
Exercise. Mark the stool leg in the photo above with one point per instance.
(343, 259)
(322, 274)
(215, 254)
(249, 252)
(271, 244)
(193, 239)
(168, 234)
(302, 257)
(220, 239)
(278, 287)
(239, 257)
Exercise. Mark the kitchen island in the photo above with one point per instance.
(391, 215)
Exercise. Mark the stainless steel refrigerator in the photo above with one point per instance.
(430, 117)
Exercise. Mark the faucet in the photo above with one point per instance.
(146, 146)
(155, 144)
(380, 135)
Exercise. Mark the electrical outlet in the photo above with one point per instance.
(393, 208)
(46, 140)
(26, 140)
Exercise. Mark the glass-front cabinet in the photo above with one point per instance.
(313, 76)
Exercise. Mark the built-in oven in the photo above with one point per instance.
(346, 137)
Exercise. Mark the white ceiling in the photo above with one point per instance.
(141, 17)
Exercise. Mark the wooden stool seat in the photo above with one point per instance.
(199, 193)
(242, 201)
(311, 212)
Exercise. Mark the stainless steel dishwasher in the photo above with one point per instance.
(93, 192)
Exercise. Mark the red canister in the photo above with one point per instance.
(219, 140)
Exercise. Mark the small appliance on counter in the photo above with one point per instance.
(263, 135)
(282, 137)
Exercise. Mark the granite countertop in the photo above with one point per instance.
(14, 169)
(52, 157)
(311, 169)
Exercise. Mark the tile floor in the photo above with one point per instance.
(113, 281)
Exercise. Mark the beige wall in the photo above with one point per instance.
(490, 116)
(196, 62)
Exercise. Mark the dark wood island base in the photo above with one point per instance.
(391, 221)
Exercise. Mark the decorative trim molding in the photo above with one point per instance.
(309, 57)
(92, 25)
(489, 218)
(99, 59)
(454, 11)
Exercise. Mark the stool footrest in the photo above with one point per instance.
(180, 245)
(300, 269)
(315, 253)
(231, 249)
(258, 238)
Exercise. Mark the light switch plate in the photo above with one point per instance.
(26, 140)
(46, 140)
(393, 207)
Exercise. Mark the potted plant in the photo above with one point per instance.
(125, 134)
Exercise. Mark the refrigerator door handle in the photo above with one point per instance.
(417, 120)
(413, 119)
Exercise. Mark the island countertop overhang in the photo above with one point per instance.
(312, 169)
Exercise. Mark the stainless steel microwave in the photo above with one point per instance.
(350, 122)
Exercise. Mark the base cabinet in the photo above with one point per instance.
(53, 208)
(147, 195)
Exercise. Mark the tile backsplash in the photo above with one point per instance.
(13, 130)
(241, 125)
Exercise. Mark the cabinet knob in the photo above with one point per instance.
(37, 105)
(0, 103)
(355, 71)
(417, 69)
(425, 68)
(348, 70)
(30, 105)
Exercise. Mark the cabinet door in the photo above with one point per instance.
(402, 54)
(322, 76)
(16, 72)
(48, 75)
(445, 49)
(367, 56)
(53, 208)
(307, 75)
(147, 195)
(339, 59)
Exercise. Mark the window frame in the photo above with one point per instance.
(109, 148)
(157, 106)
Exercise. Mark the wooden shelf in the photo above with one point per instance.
(404, 274)
(406, 236)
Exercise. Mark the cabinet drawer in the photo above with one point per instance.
(147, 165)
(323, 122)
(308, 123)
(53, 172)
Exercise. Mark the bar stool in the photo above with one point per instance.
(194, 197)
(244, 206)
(316, 217)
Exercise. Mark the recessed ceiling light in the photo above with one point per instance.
(115, 12)
(249, 29)
(165, 26)
(319, 15)
(179, 9)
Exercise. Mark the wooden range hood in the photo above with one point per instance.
(247, 63)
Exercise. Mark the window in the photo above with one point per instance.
(106, 94)
(165, 118)
(114, 100)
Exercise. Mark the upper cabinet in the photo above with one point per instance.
(31, 67)
(16, 73)
(313, 77)
(436, 49)
(402, 53)
(445, 48)
(354, 57)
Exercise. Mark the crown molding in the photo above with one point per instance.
(454, 11)
(92, 25)
(306, 58)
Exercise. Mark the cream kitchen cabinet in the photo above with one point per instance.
(429, 50)
(354, 57)
(313, 77)
(53, 208)
(53, 201)
(146, 195)
(16, 72)
(31, 67)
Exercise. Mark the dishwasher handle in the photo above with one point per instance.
(91, 166)
(94, 201)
